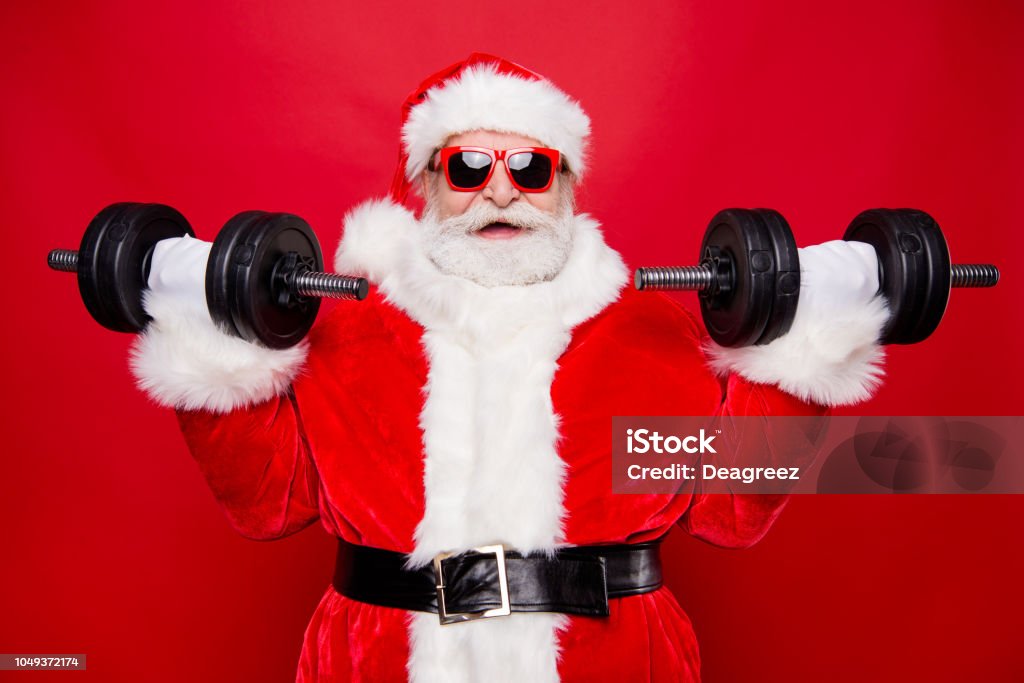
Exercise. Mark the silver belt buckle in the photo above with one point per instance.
(456, 617)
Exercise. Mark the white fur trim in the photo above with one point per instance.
(520, 647)
(492, 473)
(830, 361)
(183, 361)
(484, 99)
(370, 242)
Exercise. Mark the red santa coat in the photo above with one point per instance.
(437, 416)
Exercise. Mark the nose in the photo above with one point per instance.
(499, 188)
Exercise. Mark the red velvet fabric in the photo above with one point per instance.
(346, 448)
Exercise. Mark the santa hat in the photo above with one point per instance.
(487, 92)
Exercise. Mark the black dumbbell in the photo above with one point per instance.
(915, 272)
(915, 275)
(748, 277)
(263, 279)
(112, 261)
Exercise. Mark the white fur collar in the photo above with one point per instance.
(382, 242)
(492, 473)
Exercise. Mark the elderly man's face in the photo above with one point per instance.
(497, 236)
(499, 190)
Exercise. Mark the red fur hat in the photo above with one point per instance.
(491, 93)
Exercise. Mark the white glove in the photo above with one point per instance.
(835, 277)
(177, 273)
(831, 355)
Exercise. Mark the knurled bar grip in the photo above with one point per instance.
(973, 275)
(65, 260)
(309, 283)
(701, 277)
(317, 284)
(675, 277)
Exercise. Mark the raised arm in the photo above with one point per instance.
(830, 357)
(233, 399)
(738, 520)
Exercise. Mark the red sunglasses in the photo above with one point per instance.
(531, 169)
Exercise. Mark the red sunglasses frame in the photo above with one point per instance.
(501, 155)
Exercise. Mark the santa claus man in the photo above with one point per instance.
(453, 430)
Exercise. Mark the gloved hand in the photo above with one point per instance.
(836, 277)
(831, 355)
(177, 273)
(183, 360)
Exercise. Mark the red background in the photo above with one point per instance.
(113, 546)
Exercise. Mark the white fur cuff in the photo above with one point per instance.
(183, 361)
(832, 362)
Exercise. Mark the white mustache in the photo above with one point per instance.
(518, 214)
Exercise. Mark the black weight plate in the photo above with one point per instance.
(738, 315)
(114, 256)
(786, 292)
(220, 269)
(239, 287)
(914, 267)
(939, 277)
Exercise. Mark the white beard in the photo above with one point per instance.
(537, 254)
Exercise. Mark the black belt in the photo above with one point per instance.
(491, 581)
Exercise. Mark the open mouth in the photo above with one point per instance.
(498, 231)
